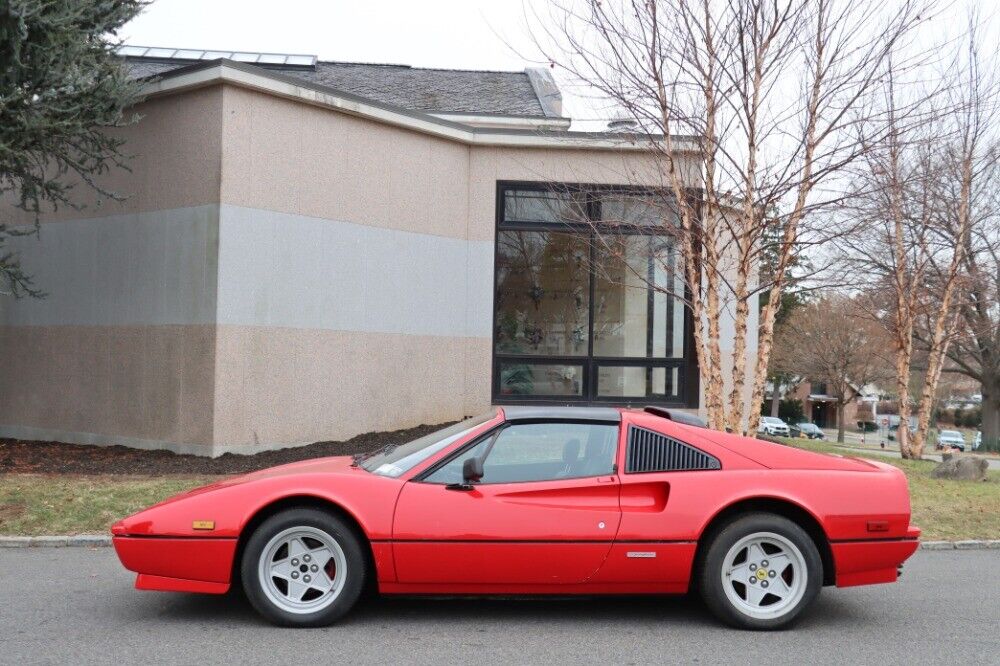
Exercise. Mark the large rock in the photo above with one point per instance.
(962, 468)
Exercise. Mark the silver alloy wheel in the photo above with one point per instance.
(302, 570)
(764, 575)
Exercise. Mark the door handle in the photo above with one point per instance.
(605, 479)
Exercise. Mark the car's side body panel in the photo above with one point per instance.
(536, 532)
(623, 533)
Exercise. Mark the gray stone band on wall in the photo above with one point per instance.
(284, 270)
(248, 267)
(154, 268)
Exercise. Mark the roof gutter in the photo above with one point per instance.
(256, 78)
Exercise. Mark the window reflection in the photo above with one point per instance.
(543, 295)
(544, 206)
(540, 379)
(637, 211)
(636, 291)
(637, 382)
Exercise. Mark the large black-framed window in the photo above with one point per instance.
(588, 302)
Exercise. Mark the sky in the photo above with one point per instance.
(458, 34)
(461, 34)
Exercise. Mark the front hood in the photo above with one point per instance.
(332, 464)
(176, 515)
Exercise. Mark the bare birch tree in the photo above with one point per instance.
(919, 198)
(770, 91)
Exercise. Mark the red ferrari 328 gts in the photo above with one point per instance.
(537, 500)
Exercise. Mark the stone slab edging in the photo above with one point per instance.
(73, 541)
(101, 540)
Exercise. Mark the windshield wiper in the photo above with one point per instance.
(361, 457)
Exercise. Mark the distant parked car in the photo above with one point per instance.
(772, 425)
(952, 438)
(978, 441)
(807, 430)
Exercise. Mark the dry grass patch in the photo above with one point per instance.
(39, 504)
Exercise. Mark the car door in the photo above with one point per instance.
(545, 512)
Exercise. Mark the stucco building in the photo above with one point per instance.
(309, 251)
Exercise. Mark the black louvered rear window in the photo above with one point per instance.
(650, 451)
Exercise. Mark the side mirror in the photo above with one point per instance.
(472, 470)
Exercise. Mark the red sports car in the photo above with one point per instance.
(537, 500)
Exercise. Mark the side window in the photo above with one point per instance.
(539, 452)
(451, 471)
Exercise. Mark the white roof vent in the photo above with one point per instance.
(623, 123)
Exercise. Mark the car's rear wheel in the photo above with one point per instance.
(760, 572)
(303, 567)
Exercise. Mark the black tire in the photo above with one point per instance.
(712, 564)
(339, 531)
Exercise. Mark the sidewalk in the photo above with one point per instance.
(890, 450)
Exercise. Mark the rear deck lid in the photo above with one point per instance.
(780, 456)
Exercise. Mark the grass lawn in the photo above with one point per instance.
(38, 504)
(944, 510)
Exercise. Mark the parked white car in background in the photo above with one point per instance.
(952, 438)
(772, 425)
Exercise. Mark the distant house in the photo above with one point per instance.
(311, 250)
(821, 408)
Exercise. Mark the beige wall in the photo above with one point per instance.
(122, 351)
(280, 383)
(317, 352)
(174, 153)
(290, 157)
(135, 385)
(282, 386)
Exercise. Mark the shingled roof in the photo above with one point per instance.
(440, 91)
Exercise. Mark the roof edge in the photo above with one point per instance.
(257, 78)
(546, 90)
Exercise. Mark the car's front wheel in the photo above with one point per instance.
(760, 572)
(303, 567)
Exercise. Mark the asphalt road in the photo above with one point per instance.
(78, 606)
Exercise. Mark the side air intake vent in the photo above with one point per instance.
(650, 451)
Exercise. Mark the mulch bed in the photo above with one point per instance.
(18, 456)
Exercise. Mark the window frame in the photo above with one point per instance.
(494, 433)
(688, 379)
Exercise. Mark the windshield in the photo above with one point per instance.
(396, 459)
(952, 434)
(773, 420)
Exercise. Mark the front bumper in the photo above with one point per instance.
(178, 564)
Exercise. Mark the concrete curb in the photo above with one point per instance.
(993, 544)
(101, 540)
(74, 541)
